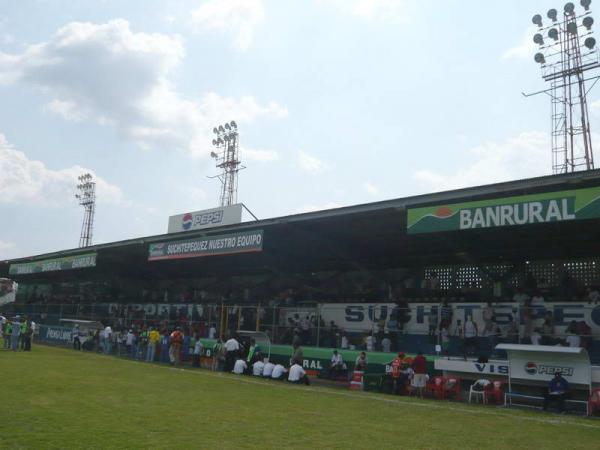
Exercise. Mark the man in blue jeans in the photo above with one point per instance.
(557, 392)
(16, 333)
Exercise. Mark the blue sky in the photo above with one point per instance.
(338, 102)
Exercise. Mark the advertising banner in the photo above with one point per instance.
(356, 317)
(51, 265)
(251, 241)
(548, 207)
(208, 218)
(55, 335)
(8, 291)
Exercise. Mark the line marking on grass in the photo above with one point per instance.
(361, 395)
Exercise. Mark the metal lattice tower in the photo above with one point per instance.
(226, 156)
(566, 55)
(87, 198)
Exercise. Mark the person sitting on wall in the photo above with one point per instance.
(558, 389)
(338, 367)
(361, 362)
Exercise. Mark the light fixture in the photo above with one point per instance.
(569, 8)
(588, 22)
(552, 14)
(537, 20)
(590, 43)
(539, 58)
(538, 39)
(553, 34)
(586, 4)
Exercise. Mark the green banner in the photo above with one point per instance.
(510, 211)
(251, 241)
(51, 265)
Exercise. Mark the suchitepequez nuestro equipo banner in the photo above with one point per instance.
(548, 207)
(197, 220)
(251, 241)
(51, 265)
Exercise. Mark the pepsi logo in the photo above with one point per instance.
(186, 221)
(531, 368)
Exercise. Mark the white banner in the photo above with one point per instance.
(208, 218)
(8, 291)
(365, 316)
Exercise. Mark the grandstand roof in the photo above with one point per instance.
(369, 235)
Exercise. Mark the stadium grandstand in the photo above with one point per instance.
(398, 274)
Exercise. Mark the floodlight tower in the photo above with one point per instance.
(87, 199)
(565, 57)
(226, 156)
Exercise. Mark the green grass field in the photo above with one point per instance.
(59, 398)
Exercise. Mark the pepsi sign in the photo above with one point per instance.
(209, 218)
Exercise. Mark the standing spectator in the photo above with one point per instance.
(164, 347)
(129, 338)
(386, 343)
(446, 314)
(305, 329)
(75, 338)
(232, 349)
(297, 353)
(16, 333)
(23, 333)
(344, 344)
(153, 338)
(107, 339)
(7, 333)
(432, 320)
(27, 337)
(488, 315)
(470, 333)
(218, 357)
(212, 332)
(398, 375)
(370, 342)
(198, 348)
(176, 339)
(419, 366)
(445, 338)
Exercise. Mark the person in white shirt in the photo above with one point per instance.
(535, 337)
(370, 341)
(129, 341)
(386, 343)
(212, 332)
(344, 345)
(278, 372)
(232, 350)
(573, 340)
(470, 334)
(240, 366)
(107, 339)
(198, 348)
(268, 369)
(257, 368)
(337, 365)
(298, 374)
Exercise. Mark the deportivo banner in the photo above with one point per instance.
(251, 241)
(51, 265)
(510, 211)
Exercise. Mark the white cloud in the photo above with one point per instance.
(251, 154)
(4, 245)
(525, 48)
(311, 208)
(526, 155)
(25, 180)
(310, 163)
(370, 188)
(239, 18)
(108, 74)
(395, 11)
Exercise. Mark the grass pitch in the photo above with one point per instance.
(59, 398)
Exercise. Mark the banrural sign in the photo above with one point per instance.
(510, 211)
(251, 241)
(51, 265)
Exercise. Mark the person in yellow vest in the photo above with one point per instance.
(153, 338)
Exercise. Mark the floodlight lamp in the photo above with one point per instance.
(587, 22)
(233, 124)
(537, 20)
(213, 155)
(569, 8)
(539, 58)
(220, 141)
(590, 43)
(553, 34)
(227, 127)
(221, 129)
(586, 4)
(538, 39)
(552, 14)
(572, 28)
(215, 130)
(214, 142)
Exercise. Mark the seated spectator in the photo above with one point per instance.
(361, 362)
(558, 389)
(240, 366)
(535, 337)
(338, 367)
(257, 368)
(278, 372)
(386, 343)
(298, 374)
(548, 332)
(268, 369)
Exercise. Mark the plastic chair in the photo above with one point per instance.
(495, 391)
(436, 386)
(594, 402)
(452, 386)
(479, 390)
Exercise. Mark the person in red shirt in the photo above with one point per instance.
(175, 350)
(398, 375)
(419, 367)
